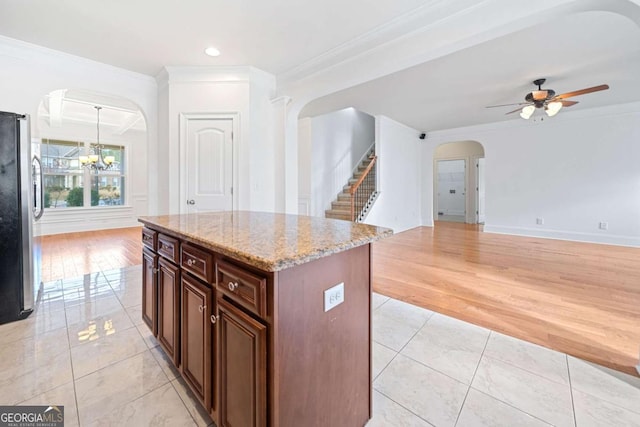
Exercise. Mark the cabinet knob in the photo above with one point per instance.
(214, 319)
(233, 286)
(155, 270)
(191, 262)
(201, 308)
(191, 202)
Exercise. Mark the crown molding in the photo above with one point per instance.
(191, 74)
(420, 18)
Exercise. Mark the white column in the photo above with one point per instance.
(285, 144)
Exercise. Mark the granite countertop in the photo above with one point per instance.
(269, 241)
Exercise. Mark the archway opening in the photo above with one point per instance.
(75, 126)
(459, 190)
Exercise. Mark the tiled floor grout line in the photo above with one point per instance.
(385, 366)
(405, 408)
(511, 406)
(527, 370)
(122, 280)
(73, 375)
(475, 372)
(396, 355)
(143, 395)
(472, 378)
(573, 404)
(185, 403)
(114, 363)
(493, 397)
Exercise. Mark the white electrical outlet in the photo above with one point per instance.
(333, 296)
(603, 225)
(540, 221)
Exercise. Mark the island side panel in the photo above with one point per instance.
(323, 359)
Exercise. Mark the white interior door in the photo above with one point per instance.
(481, 202)
(209, 165)
(451, 188)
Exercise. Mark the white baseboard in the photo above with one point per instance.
(79, 220)
(606, 239)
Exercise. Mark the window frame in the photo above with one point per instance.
(87, 175)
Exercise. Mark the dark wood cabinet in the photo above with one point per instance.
(150, 290)
(169, 309)
(197, 344)
(256, 346)
(242, 365)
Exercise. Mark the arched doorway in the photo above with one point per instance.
(458, 194)
(75, 128)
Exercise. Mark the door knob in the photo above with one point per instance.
(191, 202)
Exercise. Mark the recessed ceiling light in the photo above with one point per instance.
(212, 51)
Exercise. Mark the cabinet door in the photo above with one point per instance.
(242, 362)
(169, 309)
(196, 337)
(150, 290)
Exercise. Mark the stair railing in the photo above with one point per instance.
(362, 190)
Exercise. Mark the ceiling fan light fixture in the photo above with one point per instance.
(539, 95)
(527, 111)
(552, 108)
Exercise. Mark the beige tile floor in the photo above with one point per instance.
(86, 348)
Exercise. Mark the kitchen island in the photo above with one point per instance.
(267, 316)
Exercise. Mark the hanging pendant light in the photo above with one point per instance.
(96, 161)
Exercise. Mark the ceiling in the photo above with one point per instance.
(69, 112)
(575, 52)
(146, 35)
(279, 36)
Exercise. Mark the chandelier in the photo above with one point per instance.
(96, 161)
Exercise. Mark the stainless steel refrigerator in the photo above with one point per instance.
(21, 205)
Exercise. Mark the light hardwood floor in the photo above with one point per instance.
(579, 298)
(74, 254)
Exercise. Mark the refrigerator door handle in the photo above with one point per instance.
(41, 211)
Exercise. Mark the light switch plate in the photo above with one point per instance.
(333, 296)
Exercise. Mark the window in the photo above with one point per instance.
(64, 177)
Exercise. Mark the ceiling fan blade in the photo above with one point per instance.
(514, 111)
(568, 103)
(581, 92)
(507, 105)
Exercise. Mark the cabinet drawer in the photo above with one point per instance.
(149, 238)
(168, 247)
(197, 261)
(243, 287)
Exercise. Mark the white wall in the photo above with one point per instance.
(339, 140)
(29, 72)
(399, 174)
(574, 171)
(304, 166)
(244, 91)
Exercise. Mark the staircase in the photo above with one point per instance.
(362, 197)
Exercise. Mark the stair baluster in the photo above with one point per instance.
(363, 189)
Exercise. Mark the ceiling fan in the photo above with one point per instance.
(547, 99)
